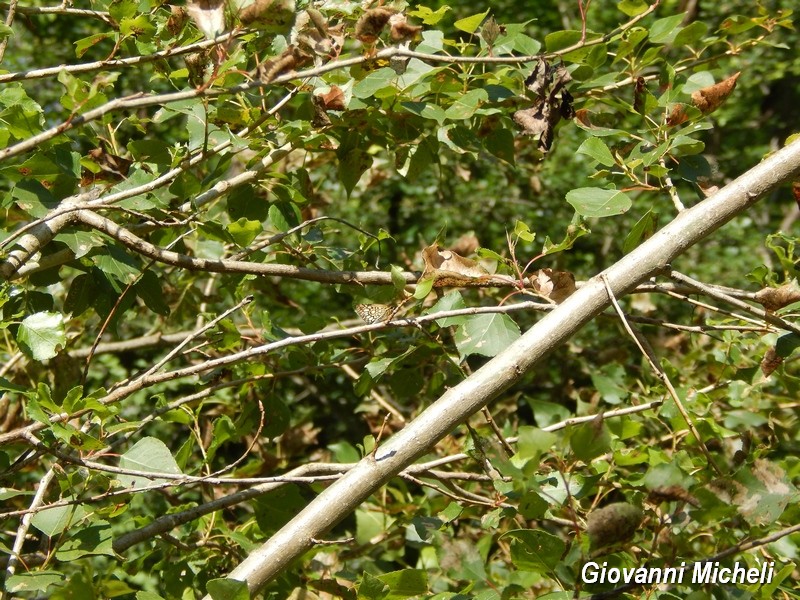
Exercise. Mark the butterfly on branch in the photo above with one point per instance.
(375, 313)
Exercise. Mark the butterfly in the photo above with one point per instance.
(375, 313)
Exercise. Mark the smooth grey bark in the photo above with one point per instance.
(459, 403)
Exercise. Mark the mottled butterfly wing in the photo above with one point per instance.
(374, 313)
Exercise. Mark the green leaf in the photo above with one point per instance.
(632, 7)
(487, 335)
(428, 16)
(471, 24)
(227, 589)
(532, 506)
(466, 105)
(450, 301)
(35, 581)
(598, 202)
(32, 197)
(535, 550)
(367, 87)
(558, 40)
(371, 588)
(643, 230)
(90, 541)
(691, 33)
(597, 149)
(501, 143)
(786, 344)
(523, 232)
(664, 31)
(42, 335)
(118, 265)
(243, 231)
(609, 381)
(148, 596)
(151, 455)
(532, 443)
(151, 151)
(590, 440)
(149, 289)
(352, 165)
(405, 583)
(423, 288)
(53, 521)
(82, 45)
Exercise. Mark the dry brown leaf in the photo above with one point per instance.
(208, 15)
(771, 361)
(555, 285)
(446, 262)
(333, 99)
(677, 115)
(291, 58)
(466, 244)
(370, 25)
(774, 299)
(551, 103)
(400, 30)
(105, 167)
(583, 117)
(177, 19)
(268, 14)
(711, 98)
(672, 493)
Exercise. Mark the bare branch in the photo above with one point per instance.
(117, 63)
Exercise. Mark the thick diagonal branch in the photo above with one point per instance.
(458, 403)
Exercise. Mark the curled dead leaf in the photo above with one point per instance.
(671, 493)
(552, 102)
(333, 99)
(555, 285)
(289, 59)
(440, 262)
(272, 15)
(771, 361)
(400, 30)
(582, 115)
(709, 99)
(773, 299)
(370, 25)
(466, 244)
(677, 115)
(177, 19)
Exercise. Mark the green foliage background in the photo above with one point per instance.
(429, 155)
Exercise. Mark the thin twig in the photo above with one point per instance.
(649, 354)
(25, 524)
(386, 403)
(769, 317)
(12, 8)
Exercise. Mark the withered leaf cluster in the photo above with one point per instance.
(551, 103)
(372, 22)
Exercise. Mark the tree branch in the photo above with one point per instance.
(458, 403)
